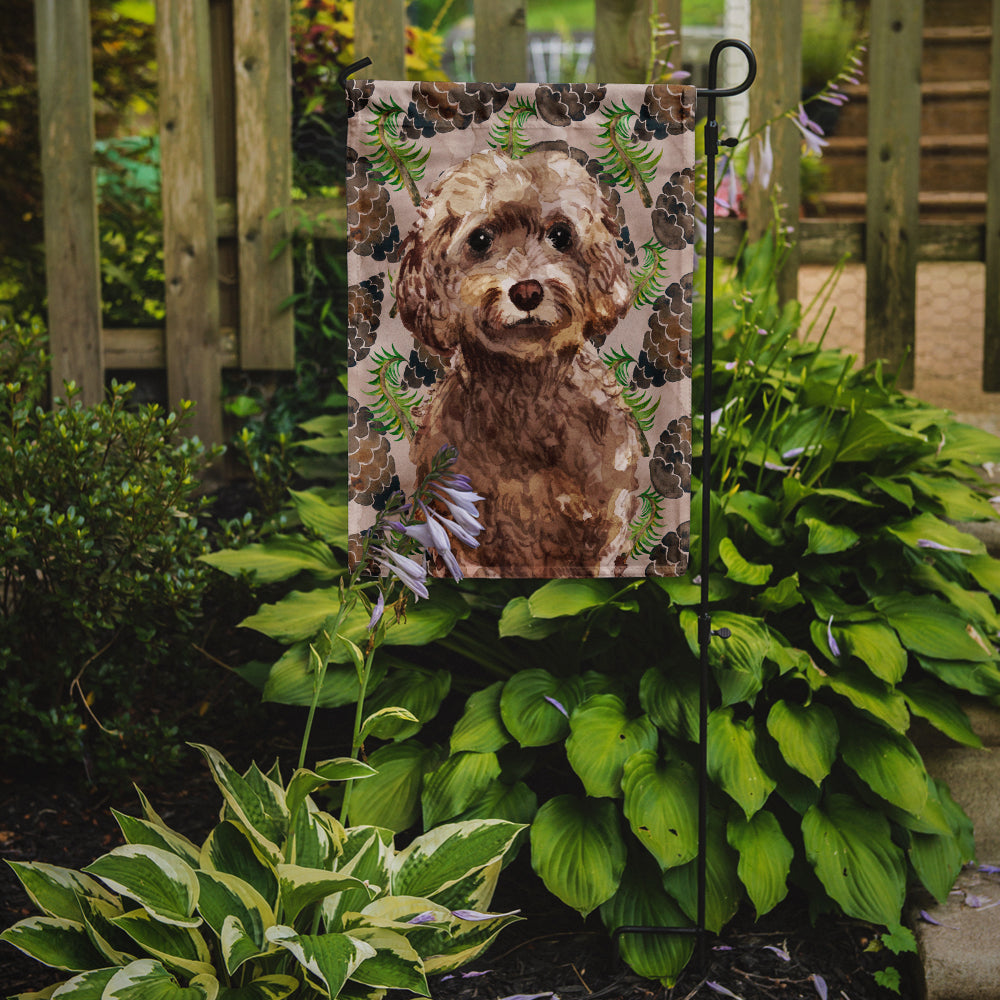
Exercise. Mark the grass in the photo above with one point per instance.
(561, 15)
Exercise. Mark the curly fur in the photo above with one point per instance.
(510, 272)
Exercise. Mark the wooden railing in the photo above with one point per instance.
(226, 156)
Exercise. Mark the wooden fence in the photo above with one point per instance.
(226, 160)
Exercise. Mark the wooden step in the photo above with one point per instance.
(958, 206)
(941, 13)
(946, 106)
(956, 53)
(947, 162)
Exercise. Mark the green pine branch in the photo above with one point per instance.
(393, 405)
(648, 526)
(647, 281)
(400, 163)
(632, 165)
(507, 135)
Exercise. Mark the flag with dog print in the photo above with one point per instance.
(520, 263)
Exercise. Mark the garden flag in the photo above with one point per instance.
(520, 263)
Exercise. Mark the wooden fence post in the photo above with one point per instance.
(622, 40)
(991, 332)
(262, 61)
(893, 183)
(776, 34)
(380, 34)
(501, 39)
(72, 255)
(190, 251)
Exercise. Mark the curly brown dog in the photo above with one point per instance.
(510, 271)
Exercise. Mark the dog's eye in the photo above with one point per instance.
(560, 236)
(480, 240)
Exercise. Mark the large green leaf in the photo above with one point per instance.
(517, 620)
(828, 539)
(578, 851)
(275, 987)
(559, 598)
(230, 849)
(924, 528)
(259, 805)
(391, 798)
(225, 897)
(957, 501)
(941, 709)
(866, 692)
(395, 964)
(535, 706)
(670, 698)
(456, 784)
(291, 680)
(181, 948)
(732, 760)
(765, 858)
(739, 569)
(932, 628)
(870, 436)
(738, 661)
(440, 858)
(86, 986)
(164, 885)
(602, 738)
(301, 615)
(278, 558)
(976, 678)
(304, 782)
(876, 646)
(888, 763)
(807, 736)
(56, 891)
(147, 979)
(418, 690)
(516, 803)
(641, 901)
(301, 887)
(143, 831)
(850, 848)
(481, 728)
(723, 889)
(54, 941)
(661, 800)
(328, 520)
(329, 959)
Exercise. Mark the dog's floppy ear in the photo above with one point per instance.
(609, 291)
(420, 294)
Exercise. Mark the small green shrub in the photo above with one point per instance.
(99, 546)
(280, 899)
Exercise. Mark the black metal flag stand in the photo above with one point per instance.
(705, 631)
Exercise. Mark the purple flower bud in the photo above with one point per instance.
(820, 983)
(427, 917)
(552, 701)
(831, 642)
(377, 612)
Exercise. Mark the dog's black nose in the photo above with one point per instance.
(526, 295)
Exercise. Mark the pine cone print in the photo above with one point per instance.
(670, 556)
(364, 308)
(371, 471)
(666, 110)
(562, 103)
(359, 93)
(673, 213)
(444, 107)
(670, 463)
(371, 222)
(423, 367)
(666, 348)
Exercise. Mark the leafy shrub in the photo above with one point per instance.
(854, 605)
(279, 899)
(99, 539)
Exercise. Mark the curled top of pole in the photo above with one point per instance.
(350, 70)
(712, 91)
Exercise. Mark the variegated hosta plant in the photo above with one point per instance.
(279, 901)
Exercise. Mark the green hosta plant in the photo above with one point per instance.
(279, 900)
(855, 605)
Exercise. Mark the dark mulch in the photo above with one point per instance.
(551, 951)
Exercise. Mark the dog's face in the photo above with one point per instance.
(516, 258)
